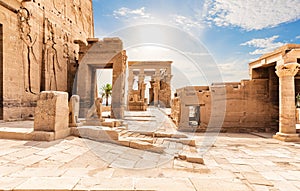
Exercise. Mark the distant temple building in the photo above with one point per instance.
(263, 103)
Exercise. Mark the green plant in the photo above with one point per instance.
(298, 96)
(106, 92)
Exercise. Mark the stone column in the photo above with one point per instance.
(156, 87)
(155, 92)
(141, 84)
(287, 108)
(130, 79)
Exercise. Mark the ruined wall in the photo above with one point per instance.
(248, 107)
(39, 52)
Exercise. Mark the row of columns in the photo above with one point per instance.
(155, 83)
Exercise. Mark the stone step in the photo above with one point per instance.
(16, 133)
(141, 145)
(148, 140)
(185, 141)
(105, 134)
(191, 157)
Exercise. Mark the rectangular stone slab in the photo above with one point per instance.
(52, 112)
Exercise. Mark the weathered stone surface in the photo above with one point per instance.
(74, 111)
(195, 158)
(51, 114)
(110, 52)
(38, 37)
(98, 134)
(214, 107)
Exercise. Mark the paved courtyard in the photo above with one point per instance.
(234, 162)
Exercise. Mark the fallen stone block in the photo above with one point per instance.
(140, 145)
(194, 158)
(52, 111)
(98, 134)
(51, 120)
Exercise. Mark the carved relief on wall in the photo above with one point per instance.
(77, 12)
(30, 64)
(60, 6)
(51, 61)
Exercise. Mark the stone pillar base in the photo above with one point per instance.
(287, 137)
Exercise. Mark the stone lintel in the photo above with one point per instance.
(92, 40)
(287, 137)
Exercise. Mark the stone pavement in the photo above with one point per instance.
(234, 162)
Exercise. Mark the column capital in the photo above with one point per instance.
(287, 69)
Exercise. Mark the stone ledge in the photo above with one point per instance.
(43, 136)
(185, 141)
(287, 137)
(16, 135)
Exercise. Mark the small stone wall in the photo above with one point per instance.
(247, 107)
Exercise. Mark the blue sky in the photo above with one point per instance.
(208, 40)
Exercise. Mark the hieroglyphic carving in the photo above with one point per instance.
(60, 6)
(77, 12)
(51, 59)
(30, 63)
(66, 54)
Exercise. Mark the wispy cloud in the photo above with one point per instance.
(187, 23)
(126, 13)
(263, 45)
(251, 14)
(298, 37)
(234, 70)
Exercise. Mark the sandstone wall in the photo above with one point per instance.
(249, 106)
(39, 52)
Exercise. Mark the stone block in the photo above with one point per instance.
(74, 111)
(43, 136)
(287, 137)
(125, 143)
(194, 158)
(51, 115)
(52, 111)
(140, 145)
(98, 134)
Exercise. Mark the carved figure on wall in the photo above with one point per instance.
(77, 12)
(51, 58)
(66, 53)
(30, 63)
(59, 5)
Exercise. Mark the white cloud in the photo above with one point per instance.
(298, 37)
(234, 70)
(126, 13)
(263, 45)
(187, 23)
(251, 14)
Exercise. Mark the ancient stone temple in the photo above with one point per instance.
(160, 91)
(262, 103)
(101, 54)
(281, 69)
(38, 50)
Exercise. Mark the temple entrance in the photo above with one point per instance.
(103, 90)
(106, 54)
(1, 72)
(268, 73)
